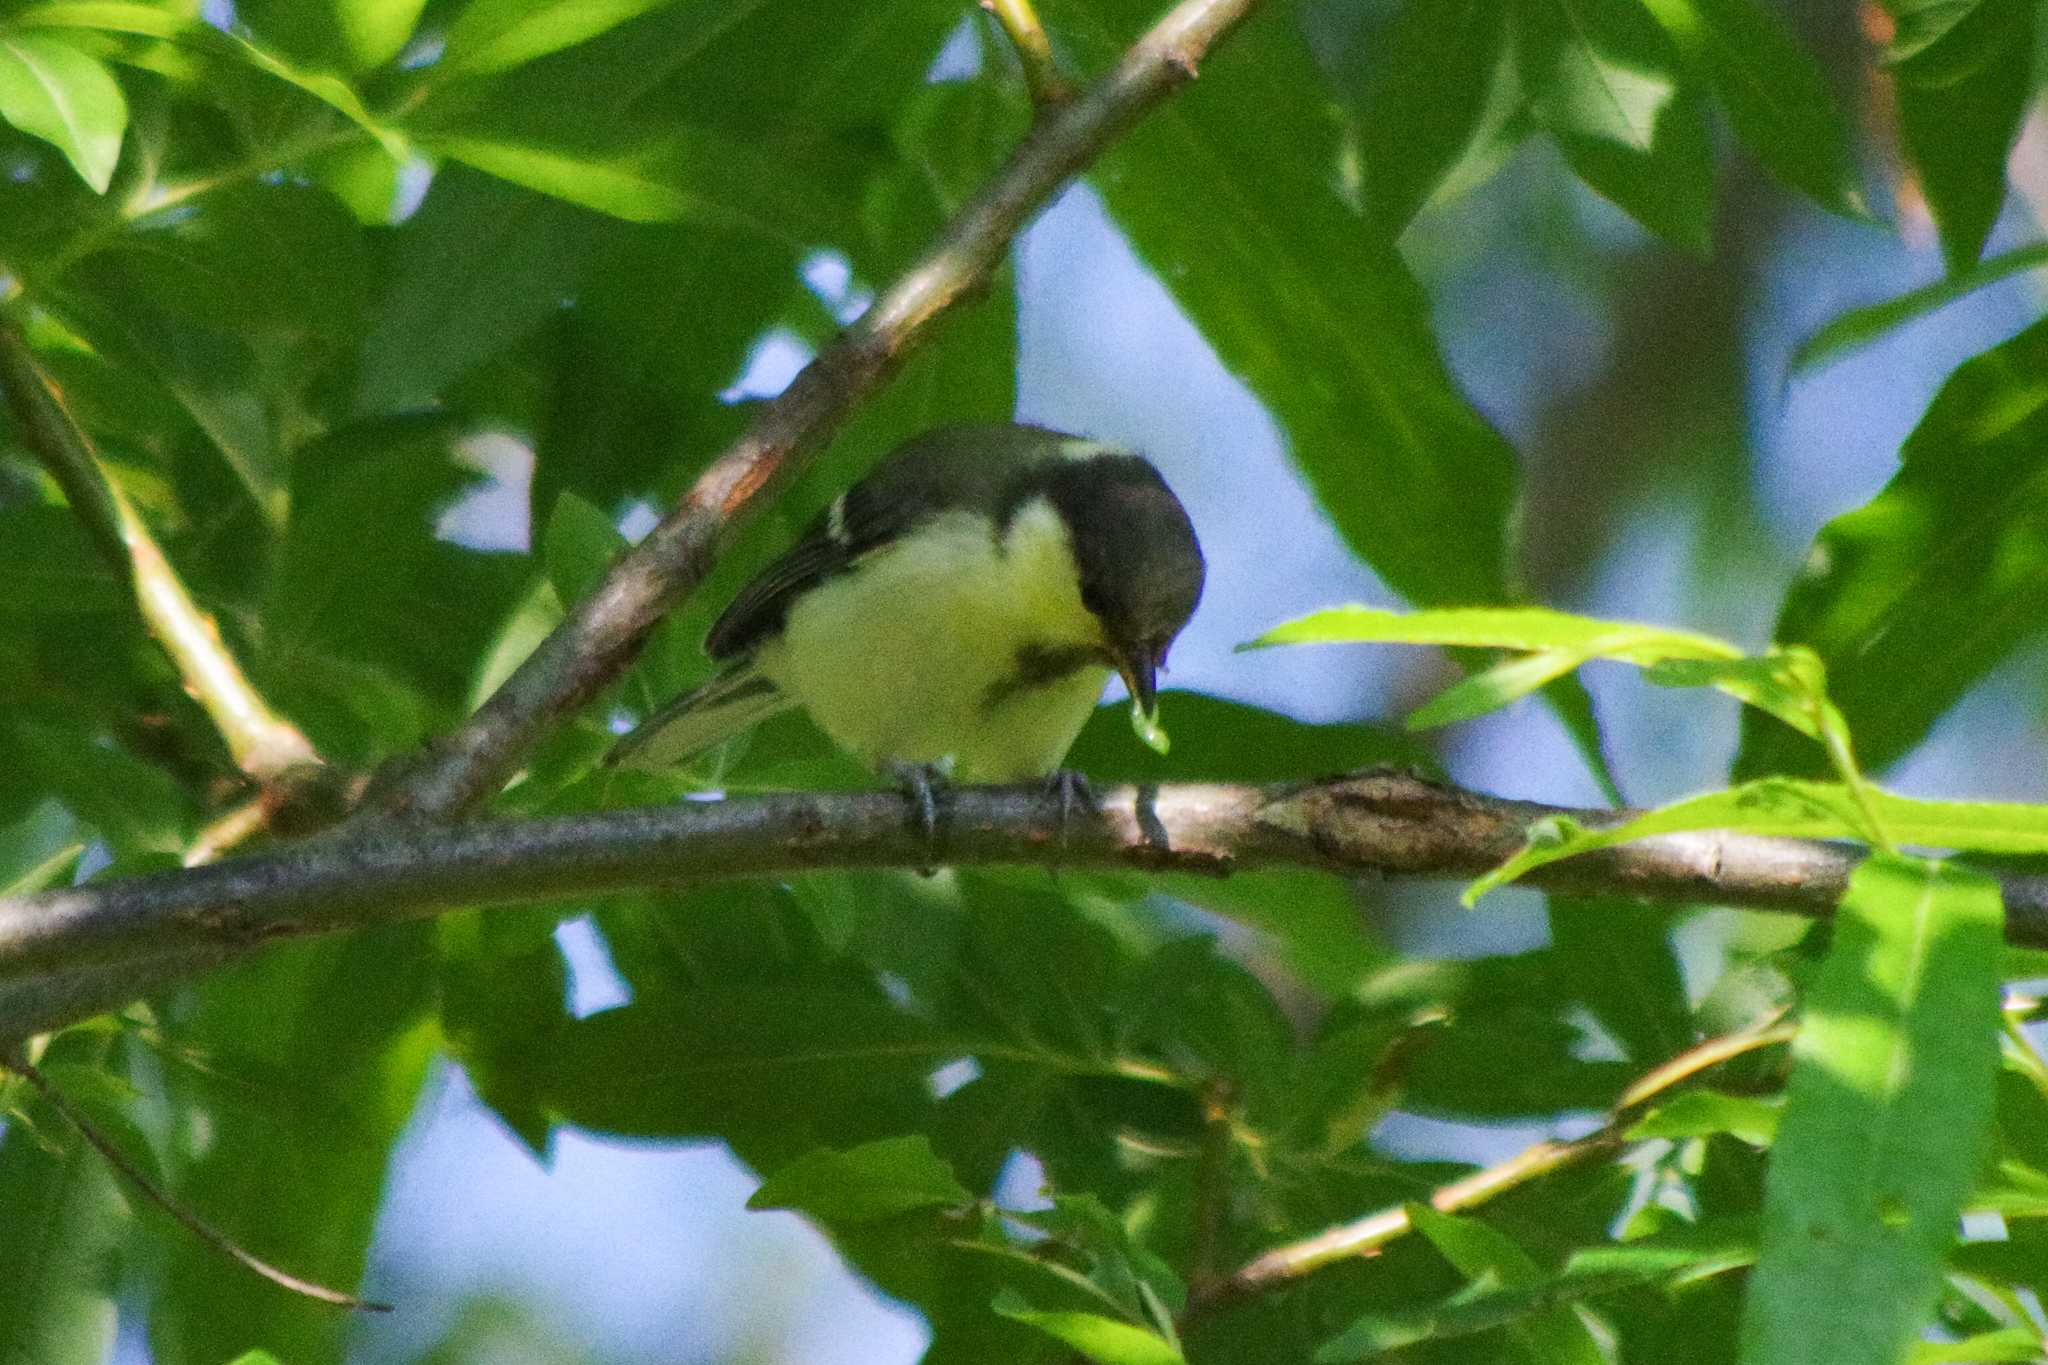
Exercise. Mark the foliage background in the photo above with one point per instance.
(392, 317)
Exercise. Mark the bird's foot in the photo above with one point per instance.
(1071, 790)
(922, 782)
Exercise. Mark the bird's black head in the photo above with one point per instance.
(1140, 566)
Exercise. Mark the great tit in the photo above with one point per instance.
(957, 611)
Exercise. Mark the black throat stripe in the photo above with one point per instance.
(1039, 665)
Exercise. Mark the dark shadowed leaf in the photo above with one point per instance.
(1911, 598)
(1310, 307)
(874, 1180)
(1960, 102)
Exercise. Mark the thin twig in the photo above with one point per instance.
(264, 744)
(162, 1198)
(69, 953)
(605, 631)
(1027, 35)
(1367, 1235)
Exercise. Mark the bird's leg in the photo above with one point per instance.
(921, 782)
(1071, 790)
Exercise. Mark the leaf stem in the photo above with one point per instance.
(163, 1199)
(1034, 51)
(264, 744)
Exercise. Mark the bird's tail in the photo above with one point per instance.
(732, 701)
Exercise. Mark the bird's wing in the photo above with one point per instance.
(944, 469)
(737, 699)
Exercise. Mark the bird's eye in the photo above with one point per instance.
(1091, 597)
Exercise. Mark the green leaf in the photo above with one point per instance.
(1487, 1256)
(1097, 1337)
(1961, 98)
(49, 565)
(1443, 87)
(1703, 1113)
(2007, 1343)
(874, 1180)
(475, 271)
(1798, 809)
(1776, 94)
(67, 1221)
(1887, 1117)
(256, 1358)
(316, 1053)
(1604, 80)
(52, 90)
(1920, 23)
(375, 31)
(1523, 628)
(503, 993)
(496, 35)
(1684, 1255)
(579, 545)
(1911, 598)
(1342, 355)
(1859, 327)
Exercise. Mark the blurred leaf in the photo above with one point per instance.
(475, 270)
(1486, 1256)
(1311, 308)
(1923, 22)
(496, 35)
(60, 1261)
(48, 564)
(1776, 94)
(1911, 598)
(1701, 1113)
(503, 991)
(1888, 1115)
(1097, 1337)
(1604, 80)
(1859, 327)
(579, 545)
(1961, 97)
(51, 89)
(874, 1180)
(1689, 1253)
(1217, 740)
(375, 31)
(2008, 1343)
(1443, 85)
(1799, 809)
(1616, 957)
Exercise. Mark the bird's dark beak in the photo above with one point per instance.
(1140, 669)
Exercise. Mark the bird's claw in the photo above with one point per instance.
(921, 782)
(1071, 790)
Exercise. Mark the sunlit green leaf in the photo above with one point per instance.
(70, 100)
(494, 35)
(1604, 79)
(1702, 1113)
(1096, 1337)
(1887, 1118)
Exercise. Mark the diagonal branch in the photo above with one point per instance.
(69, 953)
(265, 745)
(604, 633)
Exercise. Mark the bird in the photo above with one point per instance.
(956, 614)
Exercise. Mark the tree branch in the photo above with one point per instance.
(264, 744)
(106, 942)
(604, 633)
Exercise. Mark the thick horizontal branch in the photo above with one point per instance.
(605, 631)
(1381, 822)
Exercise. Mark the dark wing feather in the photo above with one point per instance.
(970, 468)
